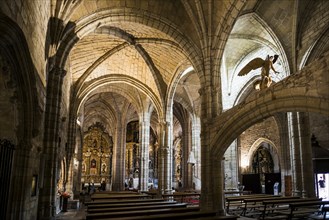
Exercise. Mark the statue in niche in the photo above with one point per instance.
(265, 66)
(103, 168)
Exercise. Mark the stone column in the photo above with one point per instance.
(187, 148)
(296, 165)
(118, 158)
(285, 161)
(165, 159)
(206, 165)
(196, 143)
(211, 167)
(306, 156)
(144, 137)
(47, 193)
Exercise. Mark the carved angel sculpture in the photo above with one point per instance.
(266, 65)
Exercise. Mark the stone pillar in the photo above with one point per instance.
(187, 148)
(206, 165)
(118, 159)
(165, 159)
(211, 168)
(47, 193)
(144, 137)
(295, 143)
(306, 156)
(285, 161)
(196, 143)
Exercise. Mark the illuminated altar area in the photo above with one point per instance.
(97, 156)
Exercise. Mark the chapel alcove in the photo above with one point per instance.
(264, 170)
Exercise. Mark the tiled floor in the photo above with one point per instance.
(72, 215)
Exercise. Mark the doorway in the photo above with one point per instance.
(322, 186)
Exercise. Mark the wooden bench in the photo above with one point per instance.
(117, 205)
(304, 209)
(119, 196)
(237, 193)
(272, 207)
(254, 206)
(181, 196)
(152, 193)
(204, 215)
(323, 215)
(144, 213)
(113, 201)
(133, 208)
(234, 204)
(228, 217)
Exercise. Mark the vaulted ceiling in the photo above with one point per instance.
(137, 58)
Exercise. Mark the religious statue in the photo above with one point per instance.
(265, 65)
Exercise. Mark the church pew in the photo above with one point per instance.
(235, 203)
(254, 206)
(112, 205)
(204, 215)
(116, 201)
(133, 208)
(271, 207)
(155, 212)
(304, 209)
(181, 196)
(117, 196)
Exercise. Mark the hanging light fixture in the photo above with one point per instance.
(191, 158)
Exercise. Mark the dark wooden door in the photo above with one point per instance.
(251, 183)
(270, 179)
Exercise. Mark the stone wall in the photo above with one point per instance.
(32, 17)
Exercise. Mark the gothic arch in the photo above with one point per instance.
(22, 78)
(22, 83)
(119, 79)
(274, 100)
(275, 154)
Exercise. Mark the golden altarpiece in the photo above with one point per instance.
(97, 156)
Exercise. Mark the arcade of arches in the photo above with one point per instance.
(140, 93)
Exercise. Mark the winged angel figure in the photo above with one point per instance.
(266, 65)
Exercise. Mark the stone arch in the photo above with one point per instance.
(119, 79)
(276, 46)
(275, 154)
(22, 78)
(316, 49)
(172, 88)
(297, 93)
(222, 33)
(247, 118)
(22, 85)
